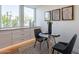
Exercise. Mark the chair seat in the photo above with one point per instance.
(41, 39)
(55, 35)
(64, 43)
(60, 46)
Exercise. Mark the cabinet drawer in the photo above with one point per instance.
(5, 38)
(5, 44)
(32, 33)
(26, 34)
(17, 33)
(16, 36)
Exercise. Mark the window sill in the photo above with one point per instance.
(17, 28)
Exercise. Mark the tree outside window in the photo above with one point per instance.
(10, 16)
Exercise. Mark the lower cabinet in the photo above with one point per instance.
(26, 35)
(31, 33)
(13, 36)
(5, 38)
(17, 36)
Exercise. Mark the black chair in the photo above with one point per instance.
(39, 38)
(65, 48)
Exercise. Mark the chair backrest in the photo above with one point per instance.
(36, 32)
(70, 45)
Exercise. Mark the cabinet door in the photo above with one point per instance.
(32, 33)
(26, 34)
(5, 38)
(17, 36)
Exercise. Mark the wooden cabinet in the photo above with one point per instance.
(12, 36)
(17, 36)
(26, 34)
(32, 33)
(5, 38)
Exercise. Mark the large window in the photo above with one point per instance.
(9, 16)
(16, 16)
(29, 17)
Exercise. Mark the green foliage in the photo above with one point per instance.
(5, 21)
(8, 22)
(30, 20)
(14, 21)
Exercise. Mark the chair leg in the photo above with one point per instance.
(35, 44)
(47, 44)
(53, 51)
(54, 40)
(40, 45)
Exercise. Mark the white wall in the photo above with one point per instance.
(65, 28)
(40, 20)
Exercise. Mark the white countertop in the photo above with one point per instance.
(16, 28)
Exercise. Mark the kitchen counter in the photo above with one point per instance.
(5, 29)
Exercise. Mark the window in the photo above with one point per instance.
(9, 16)
(16, 16)
(29, 17)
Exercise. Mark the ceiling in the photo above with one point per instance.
(46, 7)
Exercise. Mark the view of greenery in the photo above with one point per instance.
(10, 16)
(29, 15)
(14, 21)
(7, 22)
(29, 19)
